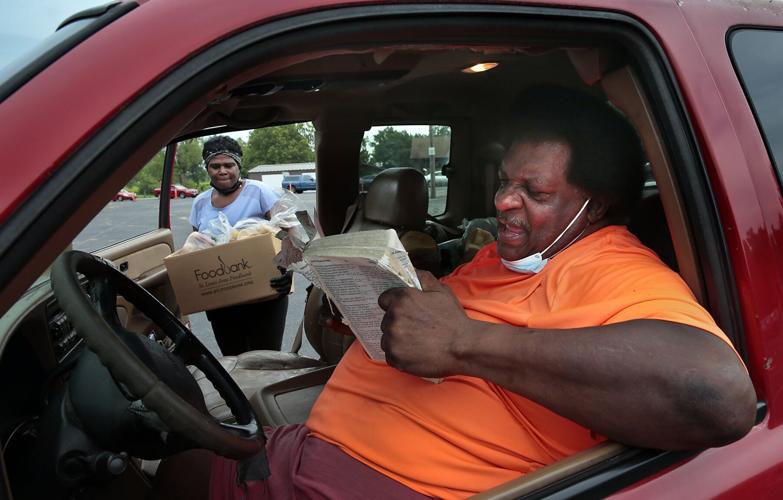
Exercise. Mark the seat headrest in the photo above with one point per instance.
(398, 197)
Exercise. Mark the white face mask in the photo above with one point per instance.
(535, 263)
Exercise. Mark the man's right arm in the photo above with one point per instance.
(647, 383)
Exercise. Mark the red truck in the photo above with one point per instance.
(699, 80)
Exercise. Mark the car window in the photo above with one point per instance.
(127, 216)
(272, 155)
(131, 211)
(756, 54)
(426, 148)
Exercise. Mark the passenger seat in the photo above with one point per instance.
(396, 199)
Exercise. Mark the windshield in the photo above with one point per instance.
(27, 30)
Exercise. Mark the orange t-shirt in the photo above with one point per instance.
(466, 435)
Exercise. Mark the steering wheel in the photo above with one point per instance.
(95, 319)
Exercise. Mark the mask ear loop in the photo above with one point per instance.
(573, 221)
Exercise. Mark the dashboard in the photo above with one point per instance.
(40, 348)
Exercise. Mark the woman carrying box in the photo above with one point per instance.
(255, 325)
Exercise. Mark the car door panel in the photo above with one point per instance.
(141, 259)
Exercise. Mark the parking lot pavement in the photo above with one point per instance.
(119, 221)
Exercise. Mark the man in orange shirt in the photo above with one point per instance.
(566, 332)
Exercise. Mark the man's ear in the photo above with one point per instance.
(596, 209)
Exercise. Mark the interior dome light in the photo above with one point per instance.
(480, 67)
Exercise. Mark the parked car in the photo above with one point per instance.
(124, 194)
(699, 80)
(178, 191)
(298, 183)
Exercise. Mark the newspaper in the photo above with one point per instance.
(353, 269)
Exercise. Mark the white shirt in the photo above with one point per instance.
(255, 199)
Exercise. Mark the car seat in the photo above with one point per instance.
(396, 199)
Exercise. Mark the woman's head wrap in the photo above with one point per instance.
(222, 145)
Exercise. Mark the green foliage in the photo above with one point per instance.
(188, 166)
(188, 169)
(148, 177)
(364, 153)
(391, 148)
(308, 130)
(440, 130)
(294, 143)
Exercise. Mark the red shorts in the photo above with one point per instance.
(305, 467)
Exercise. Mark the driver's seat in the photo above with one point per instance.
(251, 371)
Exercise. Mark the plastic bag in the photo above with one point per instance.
(252, 226)
(283, 212)
(283, 215)
(219, 229)
(195, 241)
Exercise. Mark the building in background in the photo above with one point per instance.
(272, 175)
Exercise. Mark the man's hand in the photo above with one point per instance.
(282, 284)
(423, 330)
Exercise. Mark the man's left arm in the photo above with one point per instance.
(647, 383)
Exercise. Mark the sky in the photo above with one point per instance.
(24, 23)
(411, 129)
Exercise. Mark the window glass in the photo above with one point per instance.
(12, 62)
(270, 155)
(134, 209)
(423, 147)
(131, 212)
(756, 56)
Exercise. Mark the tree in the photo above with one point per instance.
(308, 130)
(150, 176)
(188, 165)
(294, 143)
(391, 148)
(364, 153)
(441, 130)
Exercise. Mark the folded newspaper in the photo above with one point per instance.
(353, 269)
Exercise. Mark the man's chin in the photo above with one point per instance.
(509, 253)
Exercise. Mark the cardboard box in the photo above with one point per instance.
(224, 275)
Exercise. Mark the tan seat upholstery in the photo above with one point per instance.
(396, 199)
(252, 371)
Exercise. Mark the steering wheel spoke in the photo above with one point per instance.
(94, 317)
(104, 300)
